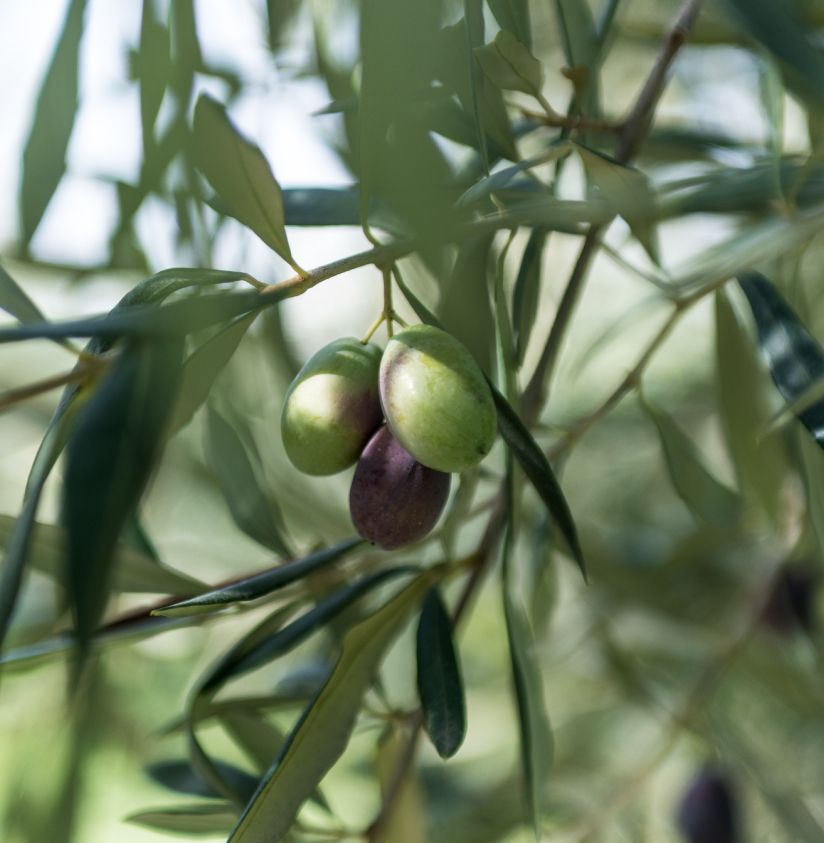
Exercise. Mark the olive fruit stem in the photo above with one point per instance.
(388, 312)
(373, 327)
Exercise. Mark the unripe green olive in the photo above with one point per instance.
(332, 407)
(436, 399)
(394, 500)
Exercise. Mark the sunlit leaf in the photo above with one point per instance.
(322, 733)
(44, 157)
(109, 458)
(407, 822)
(259, 585)
(198, 818)
(240, 174)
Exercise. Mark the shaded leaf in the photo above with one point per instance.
(527, 290)
(44, 156)
(240, 174)
(513, 15)
(109, 458)
(795, 359)
(132, 571)
(760, 462)
(257, 649)
(179, 776)
(236, 463)
(539, 472)
(628, 192)
(536, 742)
(705, 496)
(197, 818)
(259, 585)
(186, 48)
(322, 733)
(440, 686)
(407, 822)
(153, 68)
(581, 47)
(13, 300)
(509, 64)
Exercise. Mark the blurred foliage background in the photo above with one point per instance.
(697, 493)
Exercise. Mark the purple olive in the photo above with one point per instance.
(394, 500)
(707, 813)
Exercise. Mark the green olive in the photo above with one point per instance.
(436, 400)
(332, 407)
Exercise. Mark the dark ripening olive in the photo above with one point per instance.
(332, 407)
(707, 813)
(394, 500)
(436, 399)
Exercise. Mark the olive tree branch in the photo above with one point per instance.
(635, 129)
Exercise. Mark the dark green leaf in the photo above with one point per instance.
(182, 778)
(233, 456)
(259, 585)
(537, 468)
(187, 57)
(527, 291)
(322, 733)
(14, 300)
(788, 39)
(109, 459)
(44, 158)
(705, 496)
(240, 174)
(440, 686)
(246, 656)
(508, 64)
(513, 15)
(795, 359)
(209, 819)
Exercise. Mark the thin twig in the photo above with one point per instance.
(635, 129)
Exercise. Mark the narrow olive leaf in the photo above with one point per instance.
(147, 321)
(198, 818)
(788, 39)
(535, 465)
(706, 497)
(109, 459)
(408, 820)
(535, 733)
(187, 58)
(629, 192)
(760, 461)
(233, 457)
(440, 686)
(322, 733)
(509, 64)
(13, 300)
(582, 47)
(249, 655)
(133, 571)
(152, 70)
(240, 174)
(44, 157)
(259, 585)
(181, 777)
(472, 25)
(513, 16)
(527, 290)
(795, 359)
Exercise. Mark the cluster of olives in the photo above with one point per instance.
(409, 416)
